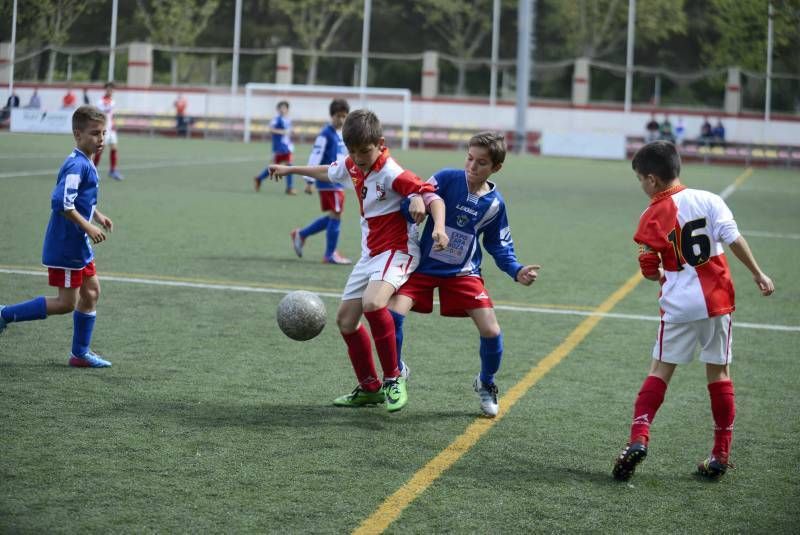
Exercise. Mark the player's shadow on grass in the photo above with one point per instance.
(271, 416)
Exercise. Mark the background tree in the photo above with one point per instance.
(175, 22)
(598, 28)
(317, 23)
(461, 25)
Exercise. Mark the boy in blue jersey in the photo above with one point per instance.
(67, 251)
(474, 208)
(282, 146)
(328, 147)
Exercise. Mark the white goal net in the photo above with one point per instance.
(308, 104)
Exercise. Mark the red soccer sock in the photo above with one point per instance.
(96, 158)
(360, 351)
(113, 159)
(650, 398)
(382, 326)
(723, 409)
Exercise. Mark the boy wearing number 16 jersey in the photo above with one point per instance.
(680, 236)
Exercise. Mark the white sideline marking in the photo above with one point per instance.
(510, 308)
(765, 234)
(152, 165)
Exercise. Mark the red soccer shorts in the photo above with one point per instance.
(70, 278)
(283, 158)
(331, 200)
(456, 294)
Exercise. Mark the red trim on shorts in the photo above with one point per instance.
(388, 264)
(661, 341)
(728, 341)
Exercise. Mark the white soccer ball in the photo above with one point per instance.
(301, 315)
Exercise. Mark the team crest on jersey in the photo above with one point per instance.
(380, 192)
(462, 220)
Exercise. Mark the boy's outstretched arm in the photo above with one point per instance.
(440, 239)
(320, 172)
(528, 274)
(742, 251)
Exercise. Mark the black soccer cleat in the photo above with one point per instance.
(713, 468)
(625, 465)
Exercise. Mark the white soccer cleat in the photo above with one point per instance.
(297, 242)
(488, 396)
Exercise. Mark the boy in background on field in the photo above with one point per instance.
(328, 147)
(67, 251)
(389, 254)
(281, 129)
(680, 236)
(474, 208)
(106, 104)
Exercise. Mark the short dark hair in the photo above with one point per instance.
(86, 114)
(282, 103)
(658, 158)
(361, 128)
(109, 85)
(338, 105)
(494, 142)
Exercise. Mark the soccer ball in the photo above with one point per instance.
(301, 315)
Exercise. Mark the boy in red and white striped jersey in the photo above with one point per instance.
(680, 236)
(389, 253)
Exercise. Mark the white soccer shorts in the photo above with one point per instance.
(676, 342)
(111, 137)
(393, 267)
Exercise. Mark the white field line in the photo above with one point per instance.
(765, 234)
(150, 165)
(510, 308)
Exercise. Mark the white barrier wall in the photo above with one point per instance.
(434, 113)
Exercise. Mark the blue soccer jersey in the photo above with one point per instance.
(66, 245)
(282, 143)
(467, 217)
(328, 147)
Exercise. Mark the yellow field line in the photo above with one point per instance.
(394, 505)
(391, 508)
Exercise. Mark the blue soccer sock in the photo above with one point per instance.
(332, 236)
(83, 326)
(398, 336)
(289, 182)
(35, 309)
(263, 174)
(318, 225)
(491, 352)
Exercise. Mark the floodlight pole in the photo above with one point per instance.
(523, 73)
(112, 53)
(629, 61)
(365, 48)
(495, 52)
(768, 88)
(12, 51)
(237, 36)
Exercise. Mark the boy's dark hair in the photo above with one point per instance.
(658, 158)
(339, 105)
(361, 128)
(85, 115)
(282, 103)
(109, 85)
(494, 142)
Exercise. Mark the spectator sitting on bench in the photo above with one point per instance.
(652, 129)
(718, 134)
(706, 132)
(665, 132)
